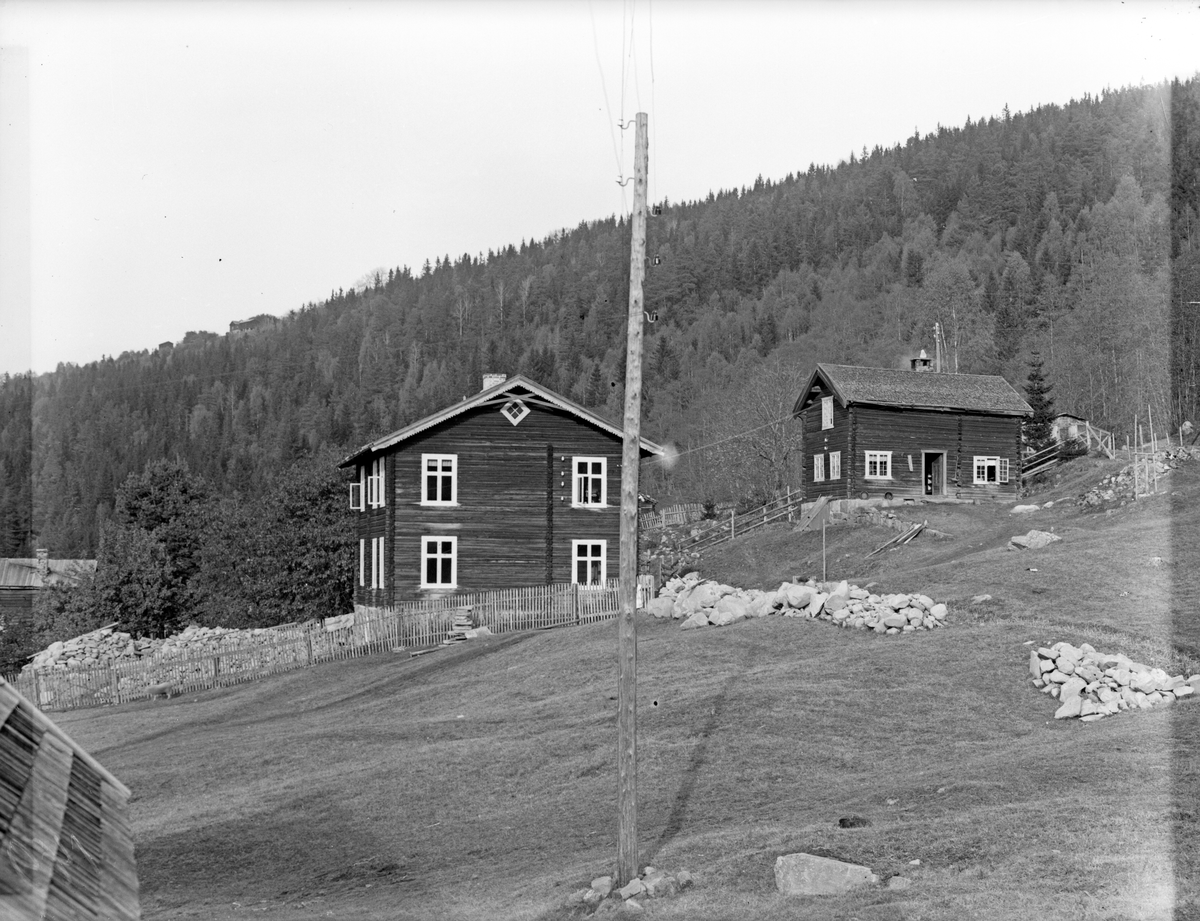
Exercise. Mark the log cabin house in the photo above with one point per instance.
(875, 432)
(511, 487)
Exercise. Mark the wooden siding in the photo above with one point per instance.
(909, 434)
(824, 441)
(514, 521)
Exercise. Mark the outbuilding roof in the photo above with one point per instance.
(979, 393)
(25, 573)
(517, 385)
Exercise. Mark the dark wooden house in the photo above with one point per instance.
(906, 434)
(511, 487)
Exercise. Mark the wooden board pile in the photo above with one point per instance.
(702, 603)
(1092, 685)
(98, 647)
(462, 628)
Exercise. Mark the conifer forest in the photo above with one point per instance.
(1067, 236)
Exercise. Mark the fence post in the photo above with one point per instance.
(575, 603)
(37, 686)
(308, 643)
(116, 685)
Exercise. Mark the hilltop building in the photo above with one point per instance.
(909, 434)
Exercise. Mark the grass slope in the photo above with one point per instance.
(479, 782)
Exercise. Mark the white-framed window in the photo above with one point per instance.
(590, 562)
(591, 482)
(879, 465)
(377, 562)
(835, 465)
(818, 468)
(990, 470)
(356, 497)
(439, 479)
(826, 412)
(374, 491)
(362, 562)
(514, 411)
(439, 562)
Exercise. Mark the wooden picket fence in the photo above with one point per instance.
(412, 625)
(670, 516)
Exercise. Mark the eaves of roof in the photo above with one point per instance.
(493, 394)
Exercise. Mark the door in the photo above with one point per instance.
(934, 472)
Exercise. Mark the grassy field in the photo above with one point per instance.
(479, 781)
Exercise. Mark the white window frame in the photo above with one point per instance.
(375, 494)
(603, 559)
(377, 569)
(578, 482)
(835, 465)
(981, 462)
(439, 554)
(818, 468)
(356, 497)
(826, 412)
(441, 473)
(362, 562)
(883, 462)
(514, 411)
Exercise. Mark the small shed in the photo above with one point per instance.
(22, 578)
(514, 486)
(1068, 427)
(909, 434)
(66, 847)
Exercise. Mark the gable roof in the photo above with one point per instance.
(516, 386)
(982, 393)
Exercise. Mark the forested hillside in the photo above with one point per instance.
(1069, 231)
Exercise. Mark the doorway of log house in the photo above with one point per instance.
(933, 470)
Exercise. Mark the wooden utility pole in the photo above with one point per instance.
(627, 847)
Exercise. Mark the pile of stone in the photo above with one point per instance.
(202, 641)
(651, 884)
(1092, 685)
(699, 603)
(98, 647)
(107, 645)
(1120, 486)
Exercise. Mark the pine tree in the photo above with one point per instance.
(1037, 393)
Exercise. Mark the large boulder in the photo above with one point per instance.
(807, 874)
(661, 607)
(1034, 540)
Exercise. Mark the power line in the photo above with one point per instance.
(604, 90)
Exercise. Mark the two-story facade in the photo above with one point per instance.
(511, 487)
(908, 434)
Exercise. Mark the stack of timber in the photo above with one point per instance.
(899, 540)
(461, 629)
(66, 848)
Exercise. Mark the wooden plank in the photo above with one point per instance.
(32, 840)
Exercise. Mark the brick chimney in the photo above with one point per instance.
(921, 363)
(43, 562)
(491, 379)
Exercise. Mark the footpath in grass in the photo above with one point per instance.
(479, 781)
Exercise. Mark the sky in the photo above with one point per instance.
(174, 166)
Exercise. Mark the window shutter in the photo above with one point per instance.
(1004, 470)
(356, 497)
